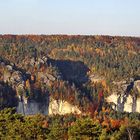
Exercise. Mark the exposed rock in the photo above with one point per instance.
(127, 106)
(62, 107)
(50, 77)
(9, 68)
(28, 106)
(32, 62)
(138, 105)
(53, 107)
(41, 60)
(121, 92)
(120, 87)
(6, 76)
(119, 82)
(12, 64)
(122, 99)
(45, 58)
(43, 77)
(137, 85)
(32, 107)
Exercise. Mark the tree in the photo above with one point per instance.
(84, 129)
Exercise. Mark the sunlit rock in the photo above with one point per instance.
(119, 105)
(137, 85)
(62, 107)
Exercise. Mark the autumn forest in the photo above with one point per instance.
(60, 87)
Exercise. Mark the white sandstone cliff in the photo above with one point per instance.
(114, 98)
(62, 107)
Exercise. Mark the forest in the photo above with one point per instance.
(106, 125)
(80, 70)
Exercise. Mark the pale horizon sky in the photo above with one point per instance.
(78, 17)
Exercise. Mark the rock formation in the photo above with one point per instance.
(126, 98)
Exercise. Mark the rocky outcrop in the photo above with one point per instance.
(32, 107)
(39, 61)
(62, 107)
(113, 99)
(26, 105)
(137, 85)
(51, 107)
(124, 99)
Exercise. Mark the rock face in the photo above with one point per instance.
(29, 106)
(62, 107)
(32, 107)
(137, 85)
(114, 98)
(53, 107)
(123, 99)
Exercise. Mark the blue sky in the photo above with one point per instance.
(87, 17)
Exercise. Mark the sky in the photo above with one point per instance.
(78, 17)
